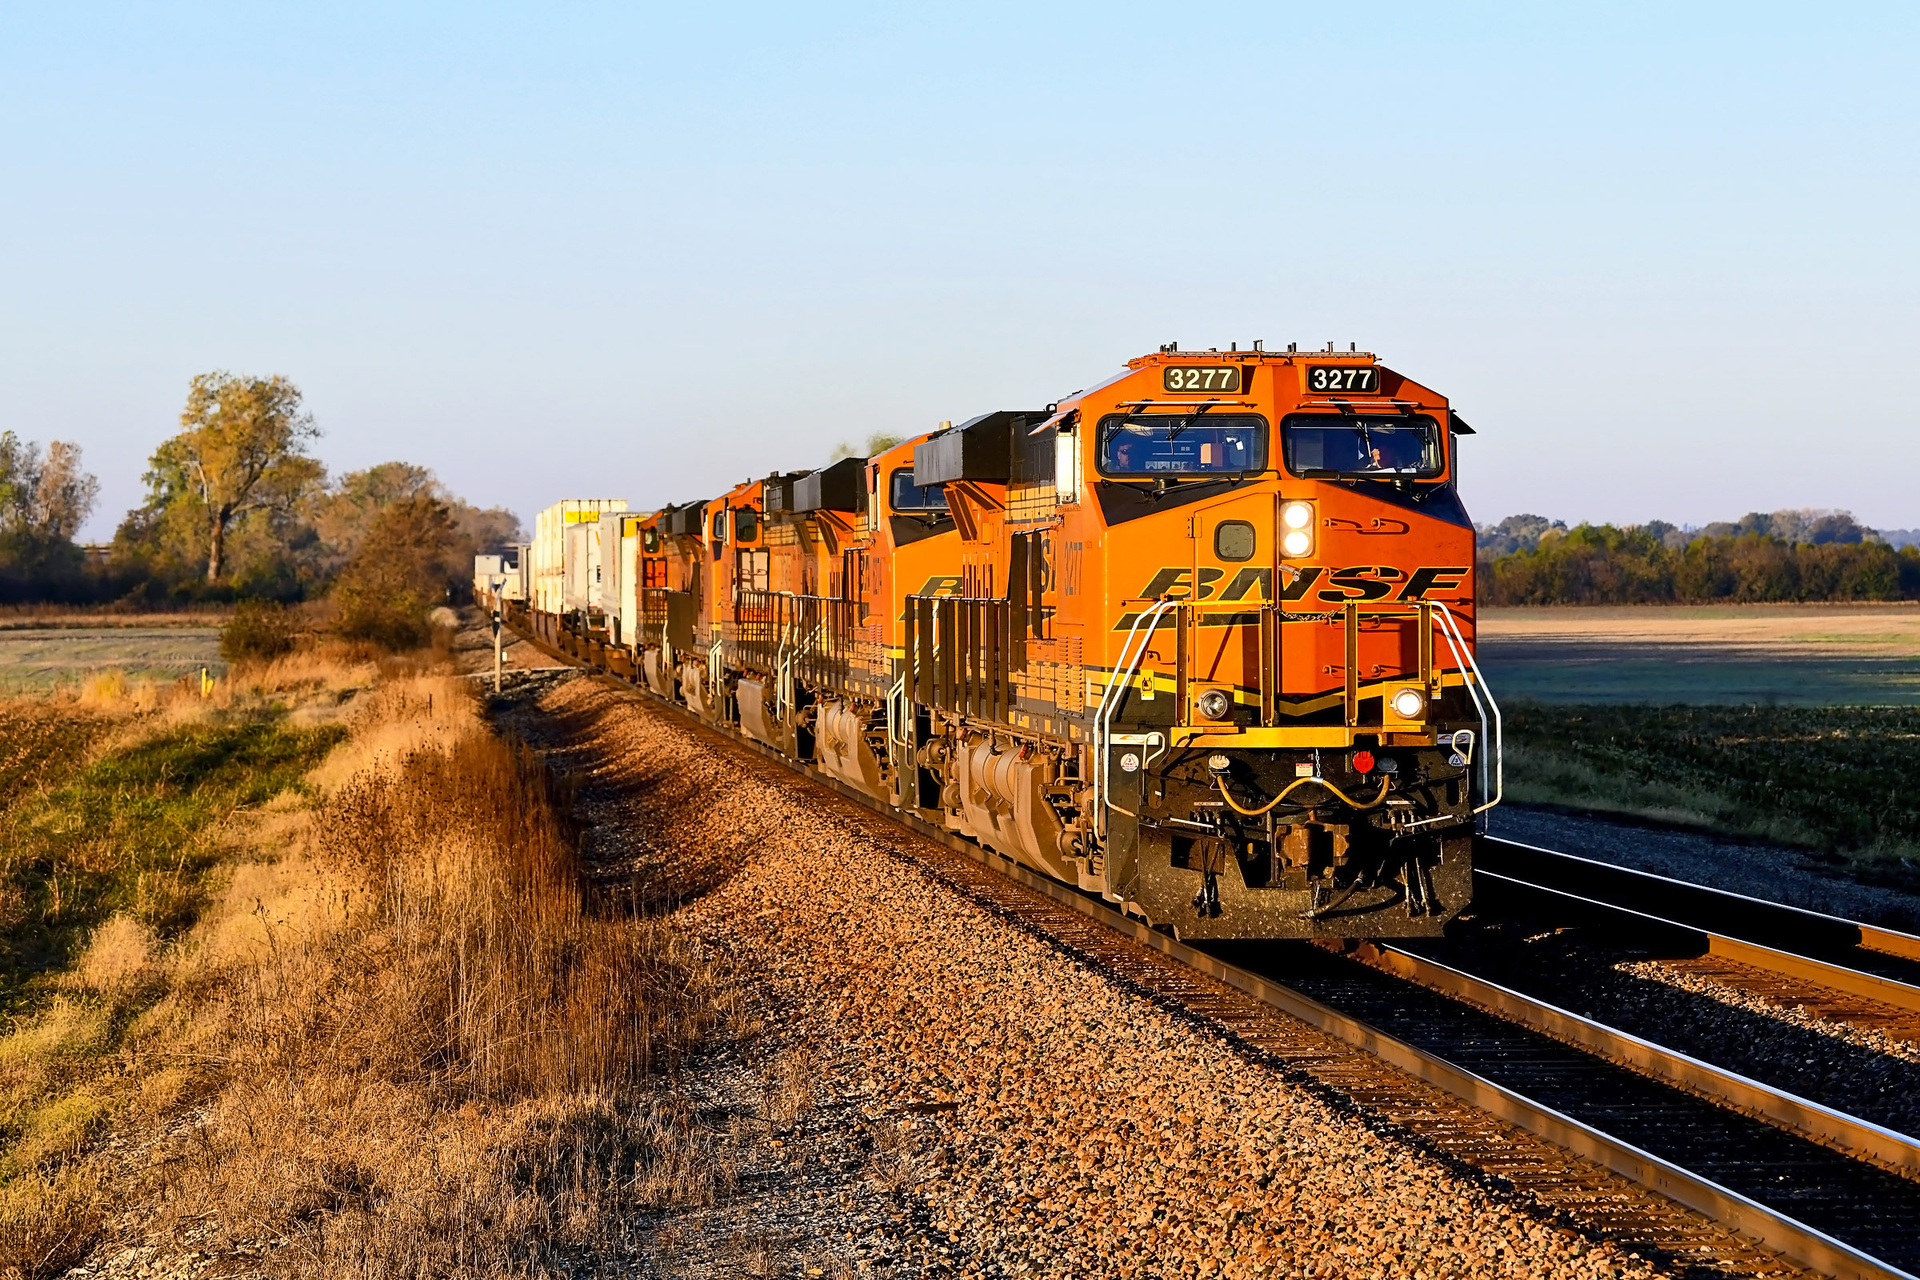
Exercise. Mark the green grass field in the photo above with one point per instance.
(1796, 725)
(38, 658)
(1831, 779)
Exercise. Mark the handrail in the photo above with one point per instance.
(1110, 702)
(1463, 653)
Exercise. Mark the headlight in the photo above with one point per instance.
(1219, 763)
(1215, 705)
(1296, 521)
(1409, 704)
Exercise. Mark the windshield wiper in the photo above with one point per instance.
(1186, 420)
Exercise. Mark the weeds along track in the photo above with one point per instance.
(1645, 1162)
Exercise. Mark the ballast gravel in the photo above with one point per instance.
(942, 1092)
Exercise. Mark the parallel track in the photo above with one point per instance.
(1796, 945)
(1742, 1172)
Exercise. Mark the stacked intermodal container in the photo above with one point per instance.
(548, 552)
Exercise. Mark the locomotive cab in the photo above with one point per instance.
(1217, 650)
(1312, 772)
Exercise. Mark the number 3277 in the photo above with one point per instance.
(1202, 378)
(1350, 377)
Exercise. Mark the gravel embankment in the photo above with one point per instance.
(1863, 1072)
(938, 1091)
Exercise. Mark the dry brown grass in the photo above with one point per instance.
(440, 1059)
(27, 616)
(412, 1041)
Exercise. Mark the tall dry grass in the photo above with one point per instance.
(441, 1057)
(406, 1038)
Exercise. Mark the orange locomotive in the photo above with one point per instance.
(1199, 639)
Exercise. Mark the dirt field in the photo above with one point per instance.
(1809, 655)
(36, 657)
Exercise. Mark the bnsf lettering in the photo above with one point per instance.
(1425, 580)
(940, 586)
(1177, 583)
(1363, 582)
(1247, 580)
(1338, 586)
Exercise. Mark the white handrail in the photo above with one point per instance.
(1110, 702)
(1463, 654)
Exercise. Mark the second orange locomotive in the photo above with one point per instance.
(1199, 638)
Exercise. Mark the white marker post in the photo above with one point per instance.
(496, 587)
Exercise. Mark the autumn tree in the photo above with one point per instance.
(242, 450)
(344, 515)
(397, 574)
(44, 499)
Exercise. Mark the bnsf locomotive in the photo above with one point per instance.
(1199, 639)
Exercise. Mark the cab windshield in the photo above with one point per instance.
(908, 496)
(1378, 447)
(1182, 444)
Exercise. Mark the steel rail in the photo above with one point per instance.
(1770, 924)
(1706, 942)
(1799, 1241)
(1815, 1120)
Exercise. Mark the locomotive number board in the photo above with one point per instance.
(1201, 377)
(1364, 378)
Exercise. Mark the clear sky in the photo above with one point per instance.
(1663, 257)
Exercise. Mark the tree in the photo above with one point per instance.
(44, 499)
(877, 443)
(63, 495)
(345, 515)
(397, 574)
(242, 450)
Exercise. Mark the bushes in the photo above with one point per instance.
(408, 1040)
(397, 576)
(438, 1055)
(259, 630)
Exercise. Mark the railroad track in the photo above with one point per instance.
(1842, 969)
(1498, 1081)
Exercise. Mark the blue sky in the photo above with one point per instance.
(1663, 257)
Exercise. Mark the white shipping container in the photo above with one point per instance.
(576, 564)
(604, 583)
(545, 566)
(630, 582)
(520, 576)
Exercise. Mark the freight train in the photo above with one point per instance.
(1199, 639)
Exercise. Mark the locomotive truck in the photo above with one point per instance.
(1199, 639)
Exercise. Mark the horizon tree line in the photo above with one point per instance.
(237, 507)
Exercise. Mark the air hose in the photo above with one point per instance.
(1220, 781)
